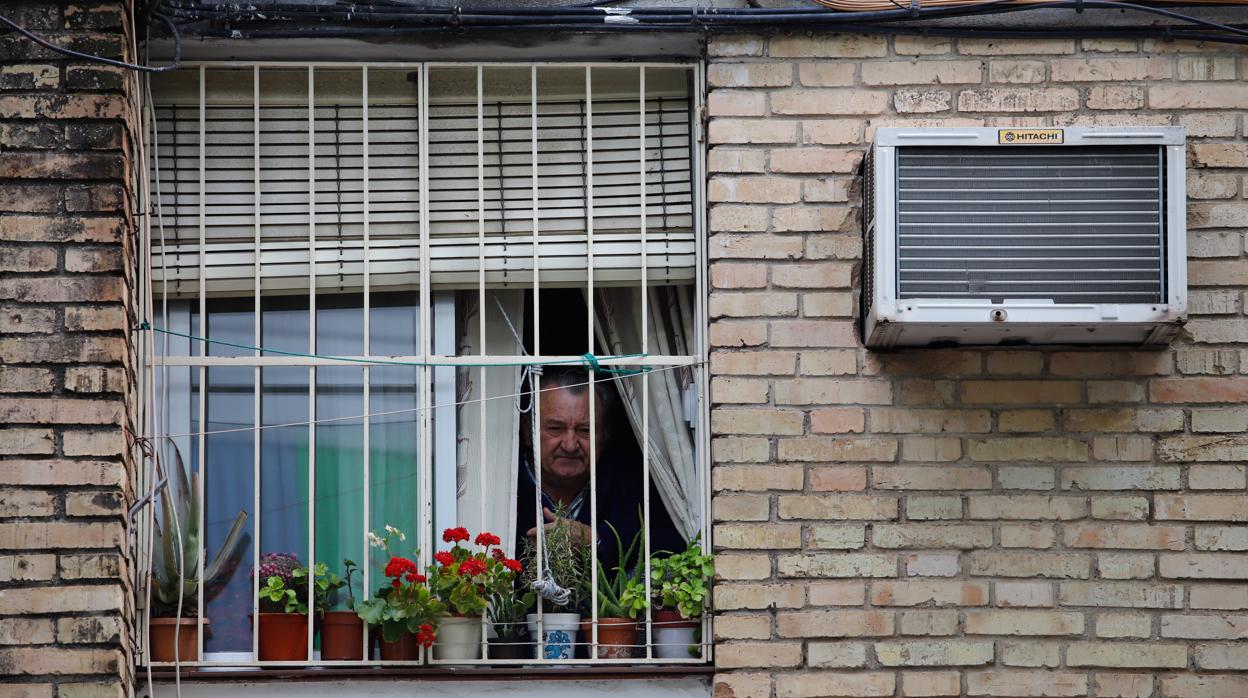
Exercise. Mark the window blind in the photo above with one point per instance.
(299, 138)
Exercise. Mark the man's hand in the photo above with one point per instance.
(580, 532)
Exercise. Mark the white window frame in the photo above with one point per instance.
(433, 309)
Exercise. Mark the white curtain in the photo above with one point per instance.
(673, 464)
(485, 467)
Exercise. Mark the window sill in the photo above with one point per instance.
(569, 672)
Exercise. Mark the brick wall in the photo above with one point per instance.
(1013, 522)
(65, 356)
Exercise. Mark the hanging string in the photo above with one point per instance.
(588, 360)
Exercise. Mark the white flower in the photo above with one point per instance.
(395, 532)
(374, 541)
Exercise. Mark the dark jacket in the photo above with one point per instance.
(619, 502)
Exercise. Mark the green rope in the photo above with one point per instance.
(588, 360)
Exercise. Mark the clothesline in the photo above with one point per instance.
(406, 410)
(588, 359)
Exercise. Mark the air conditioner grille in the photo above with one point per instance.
(1073, 224)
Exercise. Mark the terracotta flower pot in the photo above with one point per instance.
(617, 637)
(404, 649)
(342, 636)
(674, 637)
(161, 632)
(283, 637)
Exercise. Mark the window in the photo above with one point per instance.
(402, 241)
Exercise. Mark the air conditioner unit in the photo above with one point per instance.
(1025, 236)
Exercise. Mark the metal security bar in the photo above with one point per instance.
(292, 186)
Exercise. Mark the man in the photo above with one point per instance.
(563, 437)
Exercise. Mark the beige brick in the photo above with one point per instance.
(846, 46)
(1232, 538)
(741, 507)
(916, 101)
(1126, 566)
(837, 565)
(1027, 448)
(929, 623)
(32, 535)
(67, 599)
(743, 685)
(757, 421)
(931, 564)
(1201, 507)
(90, 566)
(921, 536)
(1205, 627)
(745, 566)
(64, 661)
(827, 449)
(1015, 47)
(904, 45)
(828, 391)
(1218, 596)
(758, 536)
(835, 624)
(1018, 99)
(838, 507)
(722, 102)
(1124, 536)
(749, 74)
(838, 420)
(814, 684)
(1204, 686)
(1024, 594)
(850, 478)
(836, 655)
(1127, 508)
(813, 333)
(1016, 71)
(1027, 536)
(1124, 625)
(17, 441)
(1198, 96)
(936, 507)
(826, 74)
(757, 478)
(759, 363)
(739, 655)
(926, 421)
(938, 72)
(1126, 655)
(1031, 654)
(1121, 594)
(738, 390)
(1017, 392)
(1040, 507)
(1121, 478)
(1216, 477)
(1014, 421)
(1105, 392)
(747, 219)
(742, 131)
(754, 190)
(27, 503)
(837, 537)
(1026, 477)
(739, 449)
(931, 449)
(934, 653)
(814, 159)
(1128, 448)
(1108, 69)
(1115, 97)
(929, 592)
(837, 593)
(1023, 623)
(1030, 564)
(734, 45)
(738, 596)
(1217, 362)
(1025, 683)
(1203, 566)
(831, 101)
(814, 275)
(831, 131)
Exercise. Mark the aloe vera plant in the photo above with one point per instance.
(181, 498)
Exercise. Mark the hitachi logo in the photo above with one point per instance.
(1014, 136)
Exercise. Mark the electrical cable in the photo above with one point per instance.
(177, 48)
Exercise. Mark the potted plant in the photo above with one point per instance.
(681, 587)
(405, 611)
(507, 609)
(342, 632)
(283, 608)
(173, 632)
(564, 563)
(465, 581)
(621, 597)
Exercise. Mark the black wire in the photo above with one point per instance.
(177, 48)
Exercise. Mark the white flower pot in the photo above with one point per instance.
(675, 637)
(459, 637)
(558, 636)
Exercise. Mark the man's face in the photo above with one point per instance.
(564, 436)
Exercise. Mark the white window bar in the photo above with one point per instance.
(201, 361)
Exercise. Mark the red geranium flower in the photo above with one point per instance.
(471, 566)
(425, 635)
(415, 578)
(487, 539)
(453, 535)
(396, 583)
(498, 554)
(398, 566)
(444, 558)
(513, 565)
